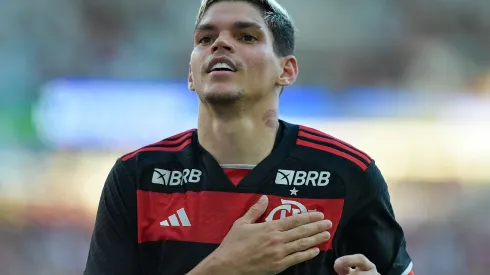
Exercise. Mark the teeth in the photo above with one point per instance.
(221, 66)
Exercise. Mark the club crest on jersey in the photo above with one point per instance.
(286, 209)
(173, 178)
(297, 178)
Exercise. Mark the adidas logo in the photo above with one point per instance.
(313, 178)
(173, 220)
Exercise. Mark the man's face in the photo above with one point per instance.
(233, 55)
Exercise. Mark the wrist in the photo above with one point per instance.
(213, 265)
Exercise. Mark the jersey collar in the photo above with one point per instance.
(263, 172)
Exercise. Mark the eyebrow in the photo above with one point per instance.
(239, 25)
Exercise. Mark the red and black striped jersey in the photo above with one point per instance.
(168, 205)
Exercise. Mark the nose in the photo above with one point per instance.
(222, 43)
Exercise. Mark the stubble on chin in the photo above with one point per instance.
(222, 99)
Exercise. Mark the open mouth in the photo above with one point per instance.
(221, 67)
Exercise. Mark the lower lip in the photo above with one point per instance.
(218, 73)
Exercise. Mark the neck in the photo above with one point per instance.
(245, 136)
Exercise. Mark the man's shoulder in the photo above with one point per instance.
(316, 146)
(168, 149)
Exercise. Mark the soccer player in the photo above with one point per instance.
(245, 193)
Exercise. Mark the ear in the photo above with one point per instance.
(190, 82)
(289, 73)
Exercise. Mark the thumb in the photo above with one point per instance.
(342, 267)
(257, 210)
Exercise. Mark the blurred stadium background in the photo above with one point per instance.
(82, 82)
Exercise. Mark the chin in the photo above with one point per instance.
(222, 95)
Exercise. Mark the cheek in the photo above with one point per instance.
(197, 60)
(263, 68)
(257, 66)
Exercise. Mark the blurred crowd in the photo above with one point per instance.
(424, 46)
(436, 44)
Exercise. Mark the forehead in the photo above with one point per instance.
(224, 14)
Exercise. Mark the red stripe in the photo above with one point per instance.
(333, 151)
(165, 149)
(306, 128)
(181, 134)
(166, 141)
(334, 142)
(411, 272)
(173, 142)
(211, 214)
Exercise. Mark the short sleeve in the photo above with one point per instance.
(371, 228)
(113, 247)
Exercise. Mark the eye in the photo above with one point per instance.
(248, 38)
(205, 40)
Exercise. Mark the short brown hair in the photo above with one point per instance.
(276, 18)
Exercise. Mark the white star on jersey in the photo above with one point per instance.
(294, 191)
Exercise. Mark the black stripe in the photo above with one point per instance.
(172, 257)
(178, 257)
(336, 190)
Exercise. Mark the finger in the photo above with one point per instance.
(256, 210)
(346, 271)
(341, 267)
(307, 230)
(299, 257)
(297, 220)
(306, 243)
(358, 260)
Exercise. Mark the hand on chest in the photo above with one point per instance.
(207, 216)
